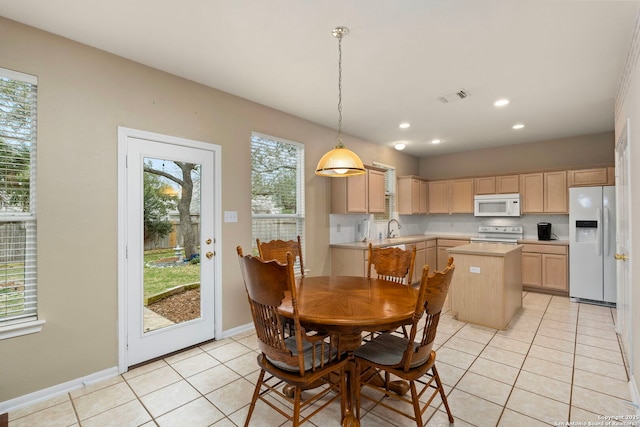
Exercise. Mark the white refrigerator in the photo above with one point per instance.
(592, 244)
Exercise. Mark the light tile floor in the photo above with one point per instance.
(558, 362)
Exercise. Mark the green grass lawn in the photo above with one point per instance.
(157, 280)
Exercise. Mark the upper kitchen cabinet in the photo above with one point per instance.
(501, 184)
(544, 192)
(485, 185)
(451, 196)
(412, 195)
(461, 198)
(507, 184)
(359, 193)
(438, 197)
(589, 177)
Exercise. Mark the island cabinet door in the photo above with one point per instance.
(531, 269)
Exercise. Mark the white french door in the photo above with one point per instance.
(152, 267)
(623, 245)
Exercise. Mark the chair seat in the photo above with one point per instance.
(387, 349)
(307, 349)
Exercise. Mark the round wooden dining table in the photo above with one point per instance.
(347, 306)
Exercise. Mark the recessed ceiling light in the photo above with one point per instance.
(501, 102)
(436, 141)
(400, 146)
(404, 125)
(518, 126)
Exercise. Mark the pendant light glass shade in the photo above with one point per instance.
(340, 161)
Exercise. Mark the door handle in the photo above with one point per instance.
(621, 257)
(209, 254)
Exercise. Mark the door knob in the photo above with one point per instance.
(209, 254)
(621, 257)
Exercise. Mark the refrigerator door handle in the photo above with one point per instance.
(599, 232)
(606, 237)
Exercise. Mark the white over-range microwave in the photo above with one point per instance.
(497, 205)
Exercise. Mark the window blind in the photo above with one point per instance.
(277, 189)
(18, 296)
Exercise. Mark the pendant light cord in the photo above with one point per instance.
(339, 33)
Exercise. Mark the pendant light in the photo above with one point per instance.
(340, 161)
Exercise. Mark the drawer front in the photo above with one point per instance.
(545, 249)
(450, 243)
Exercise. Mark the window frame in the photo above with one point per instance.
(28, 322)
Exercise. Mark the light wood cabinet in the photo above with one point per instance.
(451, 196)
(485, 185)
(420, 260)
(544, 192)
(438, 197)
(426, 254)
(486, 288)
(432, 255)
(376, 190)
(556, 197)
(545, 267)
(507, 184)
(359, 193)
(532, 191)
(589, 177)
(349, 262)
(461, 196)
(412, 195)
(501, 184)
(424, 197)
(443, 254)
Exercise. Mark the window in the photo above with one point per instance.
(389, 193)
(277, 189)
(18, 305)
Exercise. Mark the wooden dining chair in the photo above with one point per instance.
(411, 359)
(392, 264)
(277, 249)
(301, 361)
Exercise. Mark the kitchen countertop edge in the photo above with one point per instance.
(403, 240)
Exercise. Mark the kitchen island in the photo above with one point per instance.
(486, 288)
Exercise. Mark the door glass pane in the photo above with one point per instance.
(171, 270)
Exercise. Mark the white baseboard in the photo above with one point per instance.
(237, 330)
(57, 390)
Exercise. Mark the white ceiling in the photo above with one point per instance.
(559, 62)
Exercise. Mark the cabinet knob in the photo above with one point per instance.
(621, 257)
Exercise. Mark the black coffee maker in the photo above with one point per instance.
(544, 231)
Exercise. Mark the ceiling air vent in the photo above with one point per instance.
(453, 97)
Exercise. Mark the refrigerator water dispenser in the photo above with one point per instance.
(586, 231)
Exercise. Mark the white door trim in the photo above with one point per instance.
(123, 135)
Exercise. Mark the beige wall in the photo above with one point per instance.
(566, 153)
(84, 94)
(630, 109)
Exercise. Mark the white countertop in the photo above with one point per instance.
(403, 240)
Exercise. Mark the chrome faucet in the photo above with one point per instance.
(389, 234)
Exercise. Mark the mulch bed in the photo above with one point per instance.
(179, 307)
